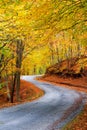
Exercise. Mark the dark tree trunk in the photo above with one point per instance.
(1, 63)
(13, 88)
(19, 54)
(34, 69)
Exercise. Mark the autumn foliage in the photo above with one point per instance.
(35, 34)
(28, 92)
(75, 67)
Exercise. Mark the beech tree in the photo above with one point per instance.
(13, 32)
(56, 29)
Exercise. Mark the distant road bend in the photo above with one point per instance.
(44, 113)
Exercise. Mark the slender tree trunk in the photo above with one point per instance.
(34, 69)
(18, 86)
(57, 51)
(7, 87)
(13, 87)
(1, 62)
(78, 50)
(19, 53)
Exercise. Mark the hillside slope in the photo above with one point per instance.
(71, 74)
(75, 67)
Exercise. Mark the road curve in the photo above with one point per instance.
(42, 113)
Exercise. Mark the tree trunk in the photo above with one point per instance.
(7, 87)
(1, 62)
(13, 88)
(19, 54)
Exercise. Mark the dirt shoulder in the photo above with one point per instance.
(79, 123)
(78, 84)
(28, 92)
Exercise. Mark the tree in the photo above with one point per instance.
(55, 29)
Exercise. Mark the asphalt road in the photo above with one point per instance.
(42, 113)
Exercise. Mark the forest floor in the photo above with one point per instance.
(78, 84)
(28, 92)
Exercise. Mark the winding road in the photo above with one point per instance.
(43, 113)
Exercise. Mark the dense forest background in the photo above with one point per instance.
(35, 34)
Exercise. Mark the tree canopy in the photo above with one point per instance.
(35, 34)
